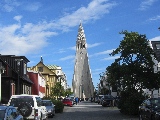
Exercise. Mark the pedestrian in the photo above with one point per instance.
(76, 100)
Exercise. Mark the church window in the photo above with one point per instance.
(81, 52)
(84, 46)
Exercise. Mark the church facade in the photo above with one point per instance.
(82, 84)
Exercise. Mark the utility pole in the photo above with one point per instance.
(1, 71)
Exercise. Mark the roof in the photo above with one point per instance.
(52, 66)
(25, 78)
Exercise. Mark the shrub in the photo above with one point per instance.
(130, 101)
(58, 106)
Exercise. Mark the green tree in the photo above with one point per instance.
(68, 92)
(133, 70)
(57, 90)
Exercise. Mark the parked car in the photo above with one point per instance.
(68, 102)
(29, 106)
(73, 100)
(150, 109)
(107, 100)
(9, 113)
(50, 107)
(99, 99)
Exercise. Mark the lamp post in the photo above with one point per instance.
(18, 64)
(1, 71)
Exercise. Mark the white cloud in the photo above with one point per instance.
(95, 10)
(155, 38)
(18, 18)
(146, 4)
(72, 48)
(20, 39)
(9, 5)
(33, 6)
(155, 18)
(93, 45)
(103, 52)
(67, 57)
(111, 58)
(15, 39)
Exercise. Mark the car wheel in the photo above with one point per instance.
(140, 117)
(25, 109)
(54, 113)
(103, 105)
(152, 117)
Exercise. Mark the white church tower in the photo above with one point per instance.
(82, 84)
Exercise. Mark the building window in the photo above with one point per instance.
(40, 69)
(158, 46)
(25, 68)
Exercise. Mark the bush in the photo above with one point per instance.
(130, 101)
(58, 106)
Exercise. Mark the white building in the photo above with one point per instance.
(155, 45)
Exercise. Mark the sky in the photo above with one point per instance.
(49, 28)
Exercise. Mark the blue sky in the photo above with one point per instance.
(49, 28)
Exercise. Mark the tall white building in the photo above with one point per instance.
(82, 80)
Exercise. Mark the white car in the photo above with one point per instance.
(29, 106)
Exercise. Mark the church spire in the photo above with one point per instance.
(81, 39)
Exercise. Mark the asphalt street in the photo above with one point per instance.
(91, 111)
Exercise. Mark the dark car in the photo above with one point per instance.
(50, 107)
(99, 99)
(107, 100)
(150, 109)
(9, 113)
(68, 102)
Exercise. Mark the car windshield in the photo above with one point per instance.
(47, 103)
(16, 101)
(2, 114)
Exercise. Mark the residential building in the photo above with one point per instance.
(14, 78)
(60, 74)
(155, 45)
(51, 74)
(38, 88)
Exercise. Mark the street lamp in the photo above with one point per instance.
(18, 64)
(1, 71)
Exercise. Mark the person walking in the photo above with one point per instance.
(76, 100)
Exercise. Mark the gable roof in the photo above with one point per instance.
(52, 67)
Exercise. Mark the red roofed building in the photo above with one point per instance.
(39, 82)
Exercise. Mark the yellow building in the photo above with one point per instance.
(48, 73)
